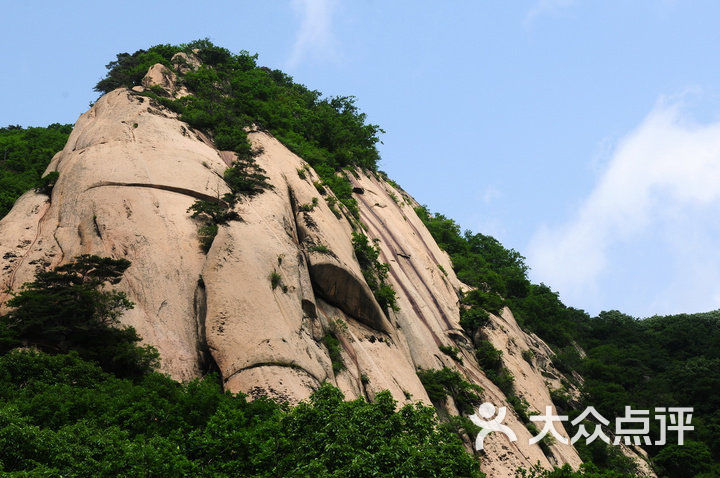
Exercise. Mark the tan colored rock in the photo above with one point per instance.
(128, 175)
(257, 331)
(160, 75)
(249, 324)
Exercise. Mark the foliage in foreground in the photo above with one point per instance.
(81, 399)
(63, 415)
(673, 359)
(24, 154)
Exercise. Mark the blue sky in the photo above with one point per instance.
(584, 134)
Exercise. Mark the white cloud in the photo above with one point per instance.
(543, 7)
(314, 37)
(660, 191)
(490, 194)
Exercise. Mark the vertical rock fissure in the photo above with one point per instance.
(308, 297)
(206, 361)
(96, 226)
(294, 209)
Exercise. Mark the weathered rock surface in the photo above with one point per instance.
(128, 174)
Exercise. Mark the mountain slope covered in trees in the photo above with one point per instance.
(661, 361)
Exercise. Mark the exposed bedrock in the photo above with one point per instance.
(259, 306)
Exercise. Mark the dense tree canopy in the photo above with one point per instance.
(68, 309)
(659, 361)
(80, 399)
(24, 155)
(63, 416)
(655, 362)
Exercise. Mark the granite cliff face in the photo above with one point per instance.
(127, 176)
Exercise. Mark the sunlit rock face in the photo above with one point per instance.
(127, 176)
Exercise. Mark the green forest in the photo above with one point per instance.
(644, 363)
(25, 153)
(79, 396)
